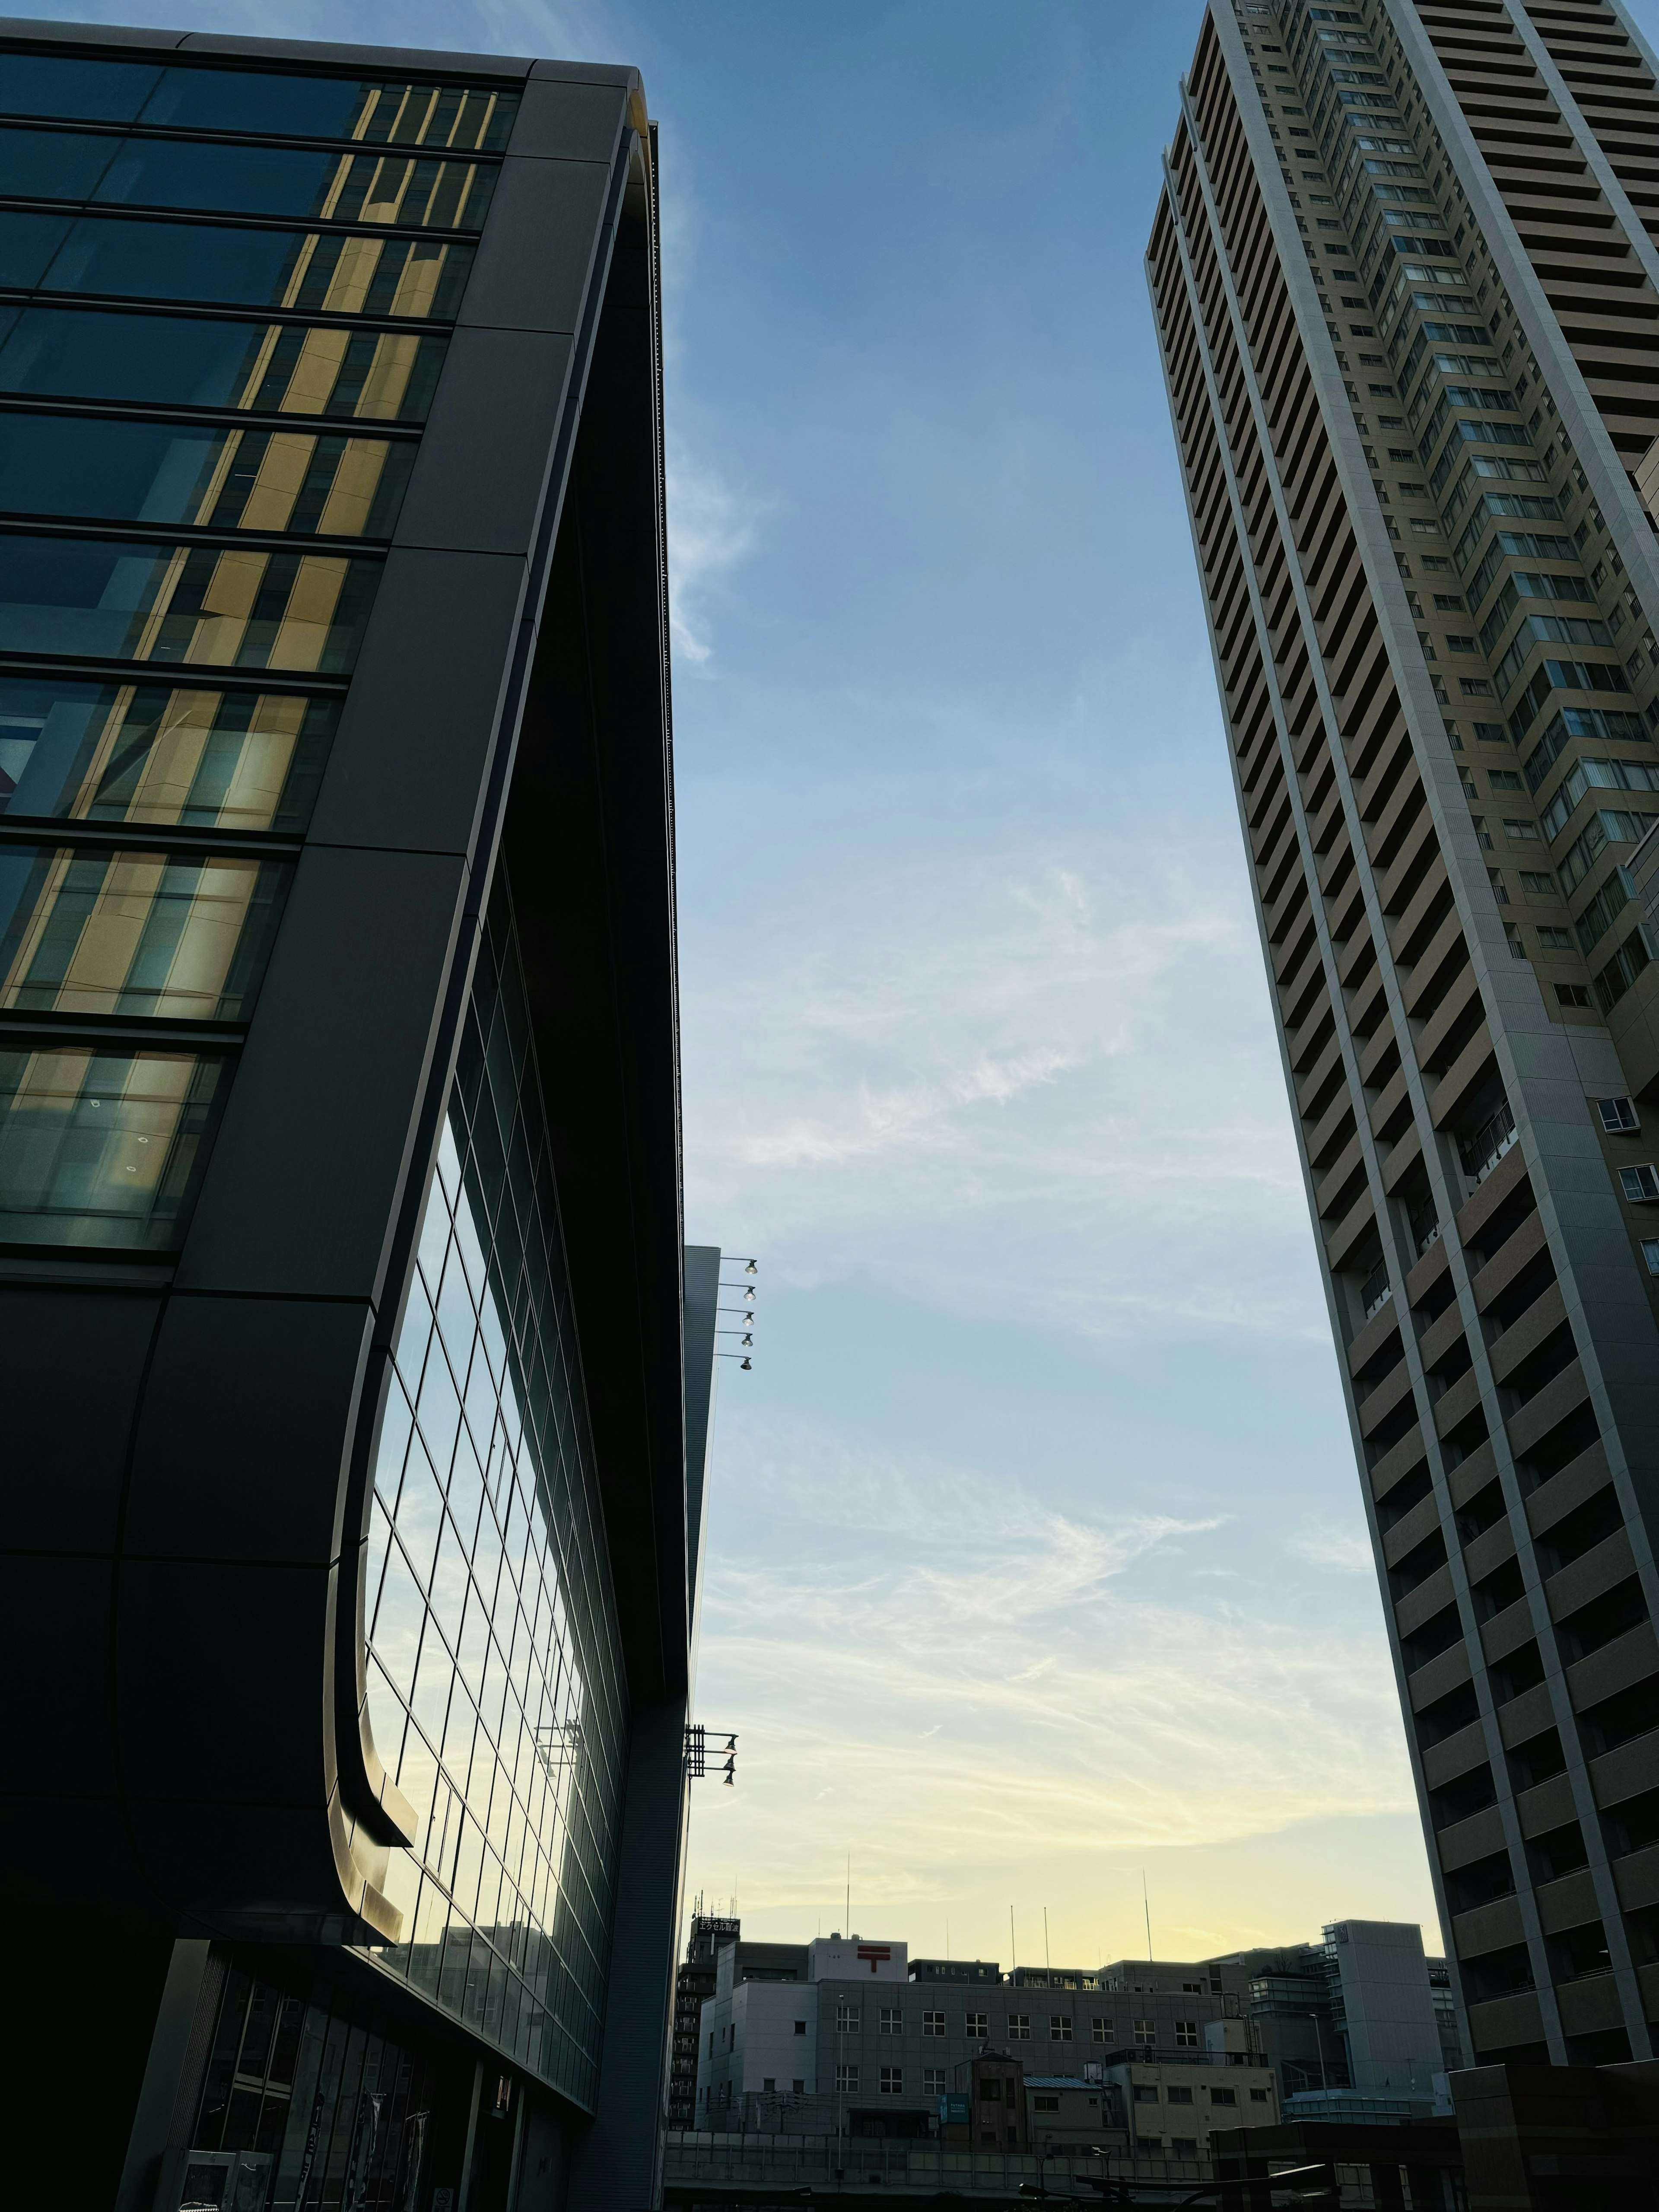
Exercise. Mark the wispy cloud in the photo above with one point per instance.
(981, 1681)
(712, 527)
(1040, 1070)
(1345, 1551)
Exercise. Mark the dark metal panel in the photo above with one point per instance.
(410, 761)
(73, 1364)
(54, 1630)
(564, 121)
(701, 1331)
(86, 34)
(616, 2162)
(278, 1376)
(377, 61)
(536, 256)
(475, 487)
(309, 1165)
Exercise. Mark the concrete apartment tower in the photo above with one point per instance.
(1407, 293)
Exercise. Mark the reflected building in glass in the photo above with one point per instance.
(358, 1378)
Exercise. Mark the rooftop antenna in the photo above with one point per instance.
(1047, 1962)
(1013, 1952)
(1147, 1909)
(849, 1893)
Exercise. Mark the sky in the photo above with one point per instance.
(1037, 1589)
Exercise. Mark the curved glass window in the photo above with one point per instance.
(141, 752)
(415, 189)
(257, 103)
(496, 1688)
(219, 265)
(318, 485)
(221, 607)
(88, 353)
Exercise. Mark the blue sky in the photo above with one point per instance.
(1036, 1558)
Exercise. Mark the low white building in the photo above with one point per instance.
(760, 2029)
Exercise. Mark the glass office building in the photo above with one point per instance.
(360, 1378)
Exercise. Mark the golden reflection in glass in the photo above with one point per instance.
(101, 1147)
(98, 932)
(143, 752)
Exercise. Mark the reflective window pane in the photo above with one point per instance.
(81, 353)
(127, 752)
(98, 932)
(257, 103)
(61, 85)
(419, 189)
(326, 485)
(217, 265)
(511, 1724)
(99, 1146)
(239, 607)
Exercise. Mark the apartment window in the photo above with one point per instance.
(1258, 2096)
(892, 2080)
(1186, 2035)
(1556, 940)
(1059, 2028)
(892, 2020)
(1178, 2096)
(800, 2027)
(799, 2085)
(1223, 2096)
(1519, 832)
(1100, 2031)
(1425, 529)
(1535, 881)
(1146, 2092)
(848, 2017)
(1448, 603)
(847, 2081)
(1504, 779)
(1572, 994)
(771, 2083)
(1146, 2030)
(1042, 2104)
(974, 2023)
(1650, 1254)
(933, 2023)
(1191, 1989)
(933, 2080)
(1640, 1185)
(1617, 1116)
(1474, 687)
(1183, 2146)
(1457, 642)
(1020, 2026)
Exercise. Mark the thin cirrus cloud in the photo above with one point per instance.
(713, 528)
(996, 1685)
(1040, 1066)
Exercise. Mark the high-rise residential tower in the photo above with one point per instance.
(357, 1379)
(1406, 287)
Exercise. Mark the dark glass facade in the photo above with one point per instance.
(342, 1273)
(494, 1680)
